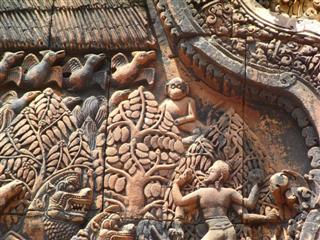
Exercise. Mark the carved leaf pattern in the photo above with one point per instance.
(142, 144)
(41, 140)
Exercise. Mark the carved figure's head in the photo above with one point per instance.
(71, 102)
(290, 189)
(219, 171)
(143, 57)
(60, 205)
(10, 58)
(64, 197)
(94, 60)
(70, 201)
(177, 88)
(279, 184)
(51, 57)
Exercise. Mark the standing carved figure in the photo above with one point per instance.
(214, 201)
(127, 72)
(39, 73)
(7, 70)
(181, 106)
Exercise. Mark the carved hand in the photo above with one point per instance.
(176, 233)
(272, 215)
(178, 122)
(184, 178)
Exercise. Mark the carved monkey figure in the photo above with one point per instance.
(181, 106)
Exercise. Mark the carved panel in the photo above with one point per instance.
(211, 134)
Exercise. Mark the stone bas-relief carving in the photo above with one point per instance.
(181, 106)
(54, 170)
(302, 8)
(215, 201)
(87, 152)
(73, 168)
(72, 75)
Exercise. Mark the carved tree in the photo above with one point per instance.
(41, 140)
(140, 151)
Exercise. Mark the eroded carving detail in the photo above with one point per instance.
(70, 169)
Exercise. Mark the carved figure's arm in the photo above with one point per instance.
(252, 217)
(258, 218)
(191, 117)
(180, 200)
(189, 199)
(249, 202)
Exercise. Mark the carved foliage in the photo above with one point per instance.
(142, 149)
(40, 141)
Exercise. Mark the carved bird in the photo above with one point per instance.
(127, 72)
(86, 75)
(7, 70)
(71, 102)
(90, 116)
(39, 73)
(12, 105)
(119, 96)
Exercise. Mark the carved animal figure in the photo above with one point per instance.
(9, 191)
(107, 225)
(90, 116)
(118, 96)
(85, 75)
(182, 108)
(7, 72)
(39, 73)
(59, 208)
(12, 105)
(71, 102)
(126, 72)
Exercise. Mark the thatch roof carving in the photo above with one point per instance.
(74, 24)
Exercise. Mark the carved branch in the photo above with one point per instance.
(116, 195)
(123, 115)
(161, 167)
(36, 133)
(112, 126)
(143, 109)
(158, 178)
(53, 123)
(150, 131)
(78, 152)
(159, 120)
(157, 203)
(134, 157)
(21, 156)
(154, 166)
(123, 207)
(111, 169)
(47, 109)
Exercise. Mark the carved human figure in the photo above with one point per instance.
(181, 106)
(214, 200)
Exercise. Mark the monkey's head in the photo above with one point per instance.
(177, 89)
